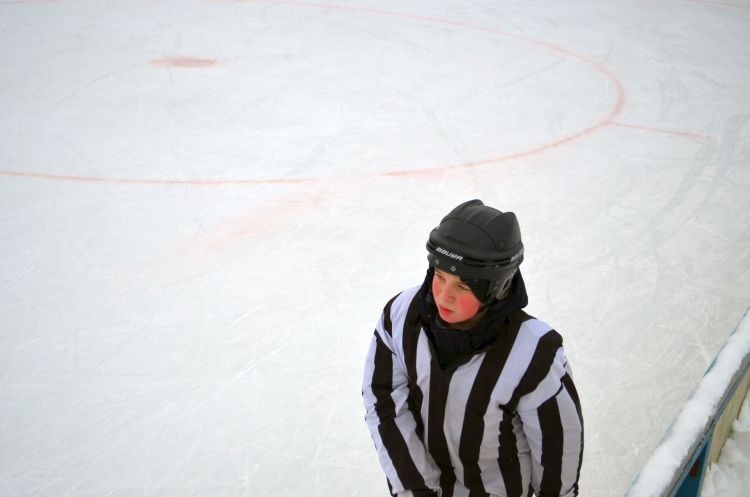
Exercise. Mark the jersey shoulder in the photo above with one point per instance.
(396, 310)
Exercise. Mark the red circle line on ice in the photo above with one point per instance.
(607, 118)
(184, 62)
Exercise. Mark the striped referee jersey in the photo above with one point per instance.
(506, 422)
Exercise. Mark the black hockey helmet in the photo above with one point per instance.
(477, 242)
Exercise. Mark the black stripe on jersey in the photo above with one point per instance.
(382, 380)
(477, 405)
(552, 448)
(539, 366)
(412, 331)
(510, 466)
(387, 324)
(570, 388)
(567, 382)
(393, 441)
(439, 383)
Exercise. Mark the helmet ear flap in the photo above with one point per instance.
(501, 287)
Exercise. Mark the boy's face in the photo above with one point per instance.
(455, 301)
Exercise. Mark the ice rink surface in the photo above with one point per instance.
(205, 204)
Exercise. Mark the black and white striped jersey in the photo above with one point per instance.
(503, 423)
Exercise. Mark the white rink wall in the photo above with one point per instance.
(205, 204)
(695, 420)
(730, 475)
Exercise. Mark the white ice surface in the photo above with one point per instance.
(193, 259)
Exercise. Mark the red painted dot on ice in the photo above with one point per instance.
(185, 62)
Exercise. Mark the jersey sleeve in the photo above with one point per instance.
(410, 470)
(553, 425)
